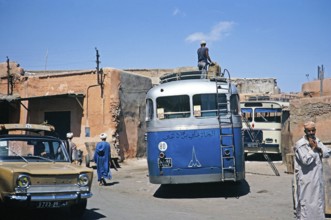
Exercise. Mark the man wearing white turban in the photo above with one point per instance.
(72, 148)
(102, 156)
(308, 175)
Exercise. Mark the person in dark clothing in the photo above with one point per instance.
(203, 56)
(39, 150)
(102, 159)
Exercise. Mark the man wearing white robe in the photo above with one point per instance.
(308, 174)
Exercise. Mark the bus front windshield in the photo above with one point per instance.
(267, 115)
(169, 107)
(204, 105)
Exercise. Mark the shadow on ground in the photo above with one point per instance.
(203, 190)
(18, 213)
(260, 157)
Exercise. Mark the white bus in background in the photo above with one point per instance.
(262, 124)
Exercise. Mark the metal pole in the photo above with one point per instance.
(321, 77)
(97, 68)
(8, 78)
(99, 73)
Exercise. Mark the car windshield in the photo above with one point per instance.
(29, 150)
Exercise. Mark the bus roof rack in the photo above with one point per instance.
(168, 77)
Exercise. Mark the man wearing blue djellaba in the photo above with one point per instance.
(102, 158)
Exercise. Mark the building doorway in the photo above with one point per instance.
(9, 112)
(61, 121)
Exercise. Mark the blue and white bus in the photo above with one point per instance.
(262, 125)
(194, 130)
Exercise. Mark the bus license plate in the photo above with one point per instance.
(252, 145)
(165, 163)
(57, 204)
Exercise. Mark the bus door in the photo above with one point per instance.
(251, 135)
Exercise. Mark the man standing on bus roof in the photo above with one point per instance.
(308, 174)
(203, 56)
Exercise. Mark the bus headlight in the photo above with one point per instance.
(163, 146)
(83, 180)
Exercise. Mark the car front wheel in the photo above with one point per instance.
(77, 210)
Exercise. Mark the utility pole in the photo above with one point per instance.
(320, 72)
(46, 59)
(9, 79)
(98, 62)
(99, 72)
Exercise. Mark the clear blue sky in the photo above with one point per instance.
(282, 39)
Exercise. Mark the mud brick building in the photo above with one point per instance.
(83, 102)
(88, 103)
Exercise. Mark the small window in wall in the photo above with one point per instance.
(170, 107)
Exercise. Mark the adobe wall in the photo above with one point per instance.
(244, 85)
(154, 74)
(132, 125)
(256, 85)
(313, 88)
(317, 109)
(96, 109)
(15, 69)
(119, 112)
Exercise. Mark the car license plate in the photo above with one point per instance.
(56, 204)
(165, 163)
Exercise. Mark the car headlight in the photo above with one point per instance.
(83, 179)
(23, 181)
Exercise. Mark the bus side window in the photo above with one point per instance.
(149, 110)
(277, 119)
(234, 104)
(247, 114)
(285, 116)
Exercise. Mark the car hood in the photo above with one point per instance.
(44, 168)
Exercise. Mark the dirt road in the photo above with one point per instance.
(130, 196)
